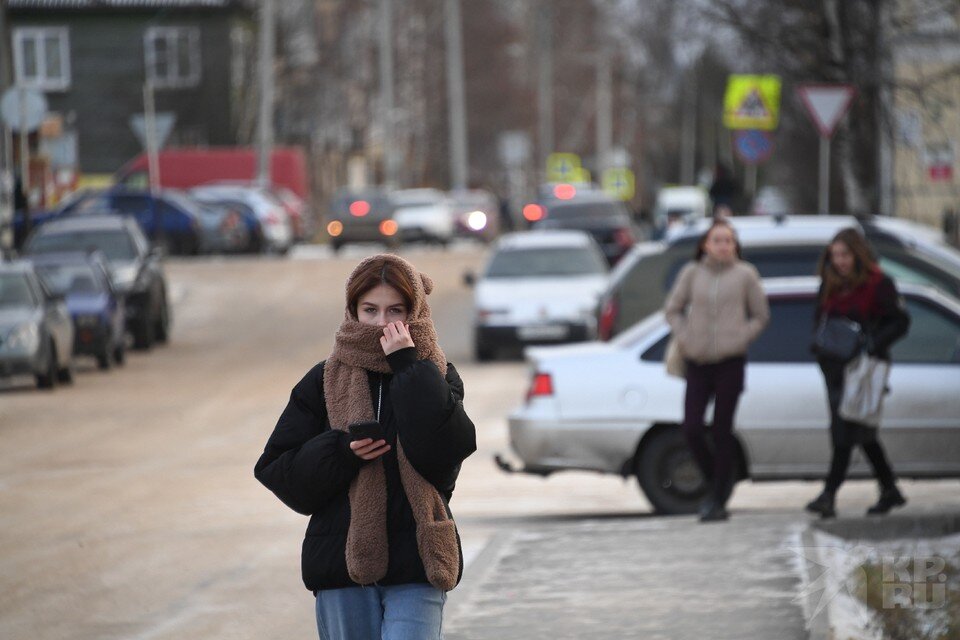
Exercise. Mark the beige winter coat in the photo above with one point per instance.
(716, 310)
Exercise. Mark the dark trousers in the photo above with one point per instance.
(845, 435)
(722, 381)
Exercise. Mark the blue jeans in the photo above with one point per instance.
(395, 612)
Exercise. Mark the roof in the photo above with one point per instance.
(100, 5)
(545, 238)
(17, 266)
(61, 257)
(759, 230)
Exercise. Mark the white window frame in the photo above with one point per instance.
(174, 79)
(40, 35)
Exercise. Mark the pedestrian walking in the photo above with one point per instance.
(855, 289)
(716, 308)
(370, 446)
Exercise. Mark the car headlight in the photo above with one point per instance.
(24, 337)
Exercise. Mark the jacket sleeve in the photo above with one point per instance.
(893, 321)
(432, 425)
(678, 299)
(305, 463)
(757, 306)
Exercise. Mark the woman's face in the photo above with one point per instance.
(720, 244)
(842, 259)
(381, 305)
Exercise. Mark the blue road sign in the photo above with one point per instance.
(753, 146)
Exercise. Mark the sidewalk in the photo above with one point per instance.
(635, 577)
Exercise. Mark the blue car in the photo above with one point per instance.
(169, 222)
(96, 307)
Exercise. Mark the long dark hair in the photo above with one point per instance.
(717, 222)
(864, 262)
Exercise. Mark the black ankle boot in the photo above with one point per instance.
(889, 498)
(824, 505)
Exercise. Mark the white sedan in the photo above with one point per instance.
(610, 407)
(538, 287)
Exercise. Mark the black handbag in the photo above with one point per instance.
(838, 338)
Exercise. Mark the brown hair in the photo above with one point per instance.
(702, 243)
(863, 262)
(372, 275)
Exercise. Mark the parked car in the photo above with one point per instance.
(273, 217)
(604, 218)
(476, 214)
(96, 307)
(138, 269)
(623, 418)
(423, 215)
(537, 287)
(36, 334)
(222, 228)
(294, 205)
(244, 214)
(677, 207)
(778, 246)
(167, 218)
(362, 215)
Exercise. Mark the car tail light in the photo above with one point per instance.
(359, 208)
(533, 212)
(542, 385)
(624, 238)
(388, 228)
(608, 317)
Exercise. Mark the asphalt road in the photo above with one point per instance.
(128, 503)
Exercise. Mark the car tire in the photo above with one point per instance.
(65, 375)
(143, 334)
(103, 359)
(668, 474)
(162, 330)
(48, 379)
(120, 354)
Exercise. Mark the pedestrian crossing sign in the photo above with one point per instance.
(619, 183)
(752, 102)
(563, 167)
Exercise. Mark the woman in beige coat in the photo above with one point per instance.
(716, 308)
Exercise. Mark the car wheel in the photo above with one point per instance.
(162, 330)
(668, 474)
(48, 379)
(103, 359)
(143, 334)
(120, 354)
(65, 374)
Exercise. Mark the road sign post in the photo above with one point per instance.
(826, 104)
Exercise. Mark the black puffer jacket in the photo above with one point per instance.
(309, 466)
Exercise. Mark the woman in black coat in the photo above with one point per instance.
(381, 549)
(854, 287)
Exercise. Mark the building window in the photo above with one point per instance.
(41, 58)
(173, 56)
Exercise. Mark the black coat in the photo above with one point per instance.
(310, 466)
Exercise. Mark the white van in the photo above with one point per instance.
(678, 207)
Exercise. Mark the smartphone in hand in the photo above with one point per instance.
(369, 429)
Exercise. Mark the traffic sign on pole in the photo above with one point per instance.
(826, 104)
(563, 167)
(753, 146)
(752, 102)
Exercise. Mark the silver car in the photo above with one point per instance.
(36, 331)
(610, 407)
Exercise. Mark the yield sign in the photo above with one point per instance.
(826, 104)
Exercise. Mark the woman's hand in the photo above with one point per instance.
(368, 449)
(396, 336)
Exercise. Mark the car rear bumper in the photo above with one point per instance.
(90, 341)
(520, 335)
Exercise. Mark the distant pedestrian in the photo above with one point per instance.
(381, 547)
(853, 287)
(724, 190)
(716, 308)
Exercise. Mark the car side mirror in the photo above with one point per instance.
(469, 278)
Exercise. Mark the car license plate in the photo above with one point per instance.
(543, 332)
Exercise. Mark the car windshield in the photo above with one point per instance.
(62, 279)
(117, 245)
(546, 262)
(584, 210)
(14, 291)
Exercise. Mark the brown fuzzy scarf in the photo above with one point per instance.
(357, 350)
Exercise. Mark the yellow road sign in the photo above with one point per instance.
(752, 102)
(582, 176)
(563, 167)
(619, 183)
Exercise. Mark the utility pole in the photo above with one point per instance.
(545, 81)
(604, 98)
(455, 96)
(150, 135)
(390, 168)
(6, 142)
(265, 130)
